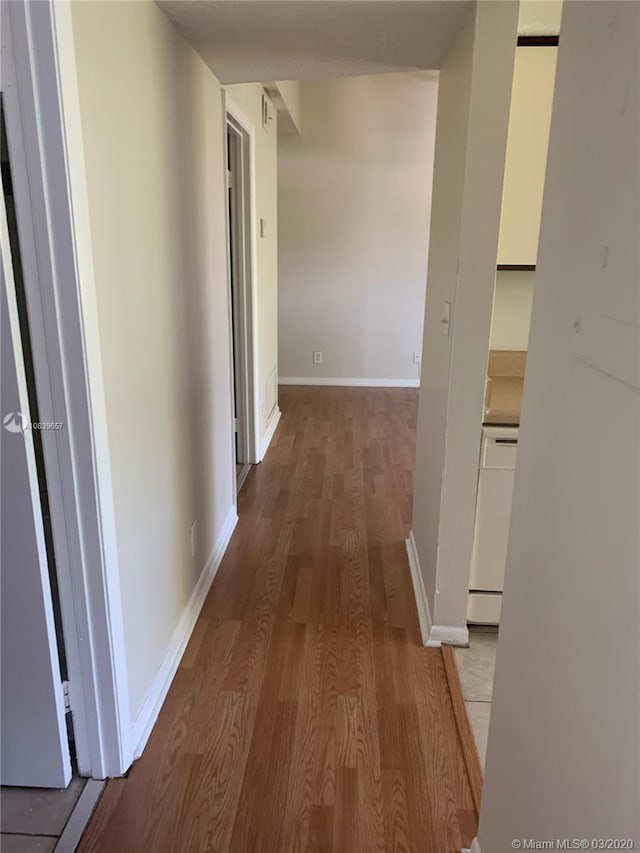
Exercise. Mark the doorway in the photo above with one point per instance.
(58, 290)
(34, 410)
(240, 249)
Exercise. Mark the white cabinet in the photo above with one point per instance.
(526, 158)
(493, 514)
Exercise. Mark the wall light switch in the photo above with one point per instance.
(445, 318)
(267, 113)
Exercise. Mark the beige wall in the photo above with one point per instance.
(512, 302)
(448, 188)
(528, 139)
(473, 108)
(527, 143)
(354, 197)
(290, 91)
(248, 98)
(564, 740)
(153, 142)
(539, 17)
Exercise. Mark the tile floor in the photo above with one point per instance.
(33, 819)
(476, 666)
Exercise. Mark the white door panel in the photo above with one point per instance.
(34, 743)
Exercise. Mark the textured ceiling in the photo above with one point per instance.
(255, 40)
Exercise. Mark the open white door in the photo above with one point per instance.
(34, 742)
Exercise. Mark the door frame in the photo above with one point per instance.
(245, 301)
(42, 113)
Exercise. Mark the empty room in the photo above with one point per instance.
(320, 440)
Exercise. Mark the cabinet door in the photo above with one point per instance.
(526, 160)
(493, 512)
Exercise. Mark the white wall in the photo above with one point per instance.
(473, 109)
(153, 142)
(512, 302)
(527, 144)
(539, 17)
(564, 721)
(34, 745)
(290, 93)
(248, 97)
(525, 166)
(354, 192)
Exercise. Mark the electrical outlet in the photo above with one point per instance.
(194, 538)
(317, 356)
(416, 357)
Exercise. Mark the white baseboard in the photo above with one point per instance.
(154, 699)
(451, 635)
(422, 604)
(349, 383)
(432, 635)
(269, 432)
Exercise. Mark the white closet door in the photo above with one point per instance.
(35, 746)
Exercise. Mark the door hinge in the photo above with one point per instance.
(235, 425)
(67, 697)
(229, 178)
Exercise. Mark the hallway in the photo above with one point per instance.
(305, 714)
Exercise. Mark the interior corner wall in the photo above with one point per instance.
(354, 193)
(473, 111)
(291, 93)
(152, 126)
(248, 98)
(566, 701)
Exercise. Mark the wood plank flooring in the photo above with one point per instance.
(305, 715)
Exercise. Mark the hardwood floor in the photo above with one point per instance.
(305, 715)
